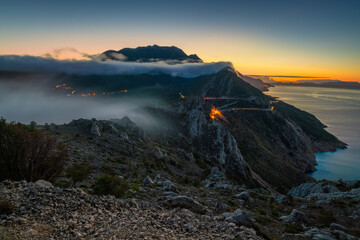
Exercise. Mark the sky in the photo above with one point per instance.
(312, 38)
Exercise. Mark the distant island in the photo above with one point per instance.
(320, 83)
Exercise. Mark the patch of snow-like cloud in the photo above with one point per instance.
(68, 53)
(41, 64)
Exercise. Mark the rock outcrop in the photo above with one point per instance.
(222, 147)
(239, 217)
(323, 193)
(306, 189)
(296, 217)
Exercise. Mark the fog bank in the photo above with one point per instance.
(40, 64)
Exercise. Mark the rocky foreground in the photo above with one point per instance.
(43, 211)
(47, 212)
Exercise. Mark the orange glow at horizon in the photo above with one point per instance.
(252, 58)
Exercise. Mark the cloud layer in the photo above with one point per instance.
(40, 64)
(32, 103)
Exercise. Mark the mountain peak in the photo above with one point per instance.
(149, 53)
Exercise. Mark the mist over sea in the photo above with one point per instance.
(339, 109)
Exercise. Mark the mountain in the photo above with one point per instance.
(270, 138)
(216, 159)
(149, 54)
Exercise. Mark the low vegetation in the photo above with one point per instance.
(6, 207)
(28, 154)
(110, 185)
(78, 172)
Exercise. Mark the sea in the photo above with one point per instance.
(339, 109)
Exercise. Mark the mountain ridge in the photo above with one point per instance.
(151, 53)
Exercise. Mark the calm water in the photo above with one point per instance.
(339, 109)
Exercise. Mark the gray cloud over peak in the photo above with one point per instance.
(41, 64)
(69, 53)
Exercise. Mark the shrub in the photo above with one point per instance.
(6, 207)
(337, 203)
(63, 183)
(78, 172)
(117, 160)
(261, 212)
(262, 219)
(29, 154)
(200, 162)
(110, 185)
(293, 228)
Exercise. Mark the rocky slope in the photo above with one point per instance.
(47, 212)
(159, 209)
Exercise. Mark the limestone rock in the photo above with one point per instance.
(245, 196)
(335, 226)
(169, 186)
(307, 189)
(296, 217)
(42, 184)
(239, 217)
(148, 181)
(186, 202)
(282, 199)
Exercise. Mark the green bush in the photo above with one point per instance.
(63, 183)
(78, 172)
(293, 228)
(201, 163)
(262, 219)
(110, 185)
(27, 153)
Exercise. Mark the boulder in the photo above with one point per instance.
(296, 217)
(244, 196)
(335, 226)
(158, 179)
(185, 202)
(169, 186)
(343, 236)
(282, 199)
(148, 181)
(217, 179)
(321, 234)
(159, 154)
(221, 207)
(170, 194)
(239, 217)
(42, 184)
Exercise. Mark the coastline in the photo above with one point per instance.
(330, 107)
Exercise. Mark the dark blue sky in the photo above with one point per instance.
(324, 28)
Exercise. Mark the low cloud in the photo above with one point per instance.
(26, 97)
(41, 64)
(68, 54)
(24, 103)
